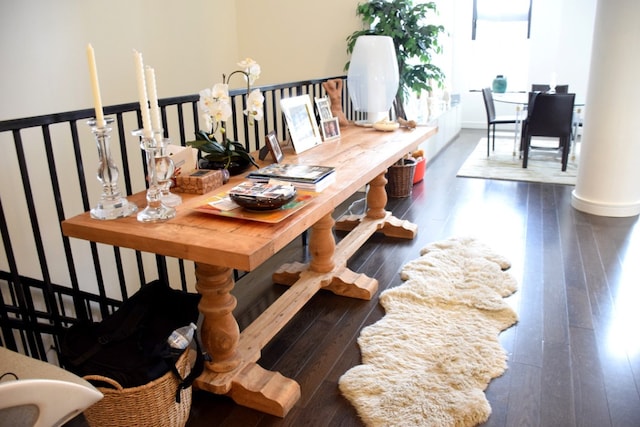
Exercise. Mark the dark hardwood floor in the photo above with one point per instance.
(574, 356)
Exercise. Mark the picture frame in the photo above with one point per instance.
(330, 129)
(301, 122)
(324, 109)
(271, 141)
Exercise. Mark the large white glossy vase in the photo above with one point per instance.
(373, 77)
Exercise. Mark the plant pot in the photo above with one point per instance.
(234, 168)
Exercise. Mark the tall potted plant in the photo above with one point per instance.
(415, 41)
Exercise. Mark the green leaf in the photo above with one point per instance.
(206, 146)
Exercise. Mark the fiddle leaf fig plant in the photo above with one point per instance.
(415, 40)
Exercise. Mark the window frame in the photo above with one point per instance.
(475, 20)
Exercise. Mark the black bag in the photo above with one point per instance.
(130, 346)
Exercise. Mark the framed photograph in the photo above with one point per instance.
(301, 122)
(330, 128)
(274, 146)
(324, 109)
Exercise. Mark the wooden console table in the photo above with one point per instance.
(218, 245)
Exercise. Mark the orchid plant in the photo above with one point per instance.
(215, 108)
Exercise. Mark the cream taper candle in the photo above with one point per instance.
(150, 76)
(142, 96)
(95, 87)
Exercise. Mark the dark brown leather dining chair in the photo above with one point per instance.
(547, 88)
(540, 88)
(549, 115)
(492, 118)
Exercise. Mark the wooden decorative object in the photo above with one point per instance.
(334, 92)
(410, 124)
(199, 182)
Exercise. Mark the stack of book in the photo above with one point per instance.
(305, 177)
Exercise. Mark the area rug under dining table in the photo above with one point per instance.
(504, 164)
(429, 359)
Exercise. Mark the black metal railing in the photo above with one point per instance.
(48, 281)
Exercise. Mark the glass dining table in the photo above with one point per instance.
(522, 99)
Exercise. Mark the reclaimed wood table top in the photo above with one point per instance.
(359, 155)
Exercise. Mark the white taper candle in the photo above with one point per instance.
(142, 96)
(95, 87)
(156, 121)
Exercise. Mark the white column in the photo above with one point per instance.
(608, 182)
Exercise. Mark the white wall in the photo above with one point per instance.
(190, 44)
(42, 44)
(296, 39)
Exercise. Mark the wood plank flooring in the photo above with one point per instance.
(574, 356)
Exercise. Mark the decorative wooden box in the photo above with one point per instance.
(199, 182)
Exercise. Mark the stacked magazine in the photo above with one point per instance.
(262, 195)
(262, 191)
(306, 177)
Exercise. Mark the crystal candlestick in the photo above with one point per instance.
(159, 167)
(112, 204)
(165, 180)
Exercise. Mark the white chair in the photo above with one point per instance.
(38, 394)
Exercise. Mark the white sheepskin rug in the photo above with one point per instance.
(428, 361)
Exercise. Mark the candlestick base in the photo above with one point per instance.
(111, 205)
(170, 199)
(160, 169)
(156, 213)
(165, 170)
(113, 209)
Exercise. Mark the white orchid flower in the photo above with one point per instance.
(252, 68)
(206, 100)
(246, 63)
(205, 93)
(255, 101)
(207, 121)
(221, 111)
(215, 102)
(220, 92)
(254, 73)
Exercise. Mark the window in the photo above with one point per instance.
(499, 43)
(493, 17)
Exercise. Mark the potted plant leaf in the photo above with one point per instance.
(416, 42)
(217, 151)
(230, 155)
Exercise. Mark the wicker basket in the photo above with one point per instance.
(400, 178)
(153, 404)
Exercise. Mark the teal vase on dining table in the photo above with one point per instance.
(499, 84)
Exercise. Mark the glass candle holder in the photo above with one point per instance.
(112, 204)
(158, 165)
(165, 181)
